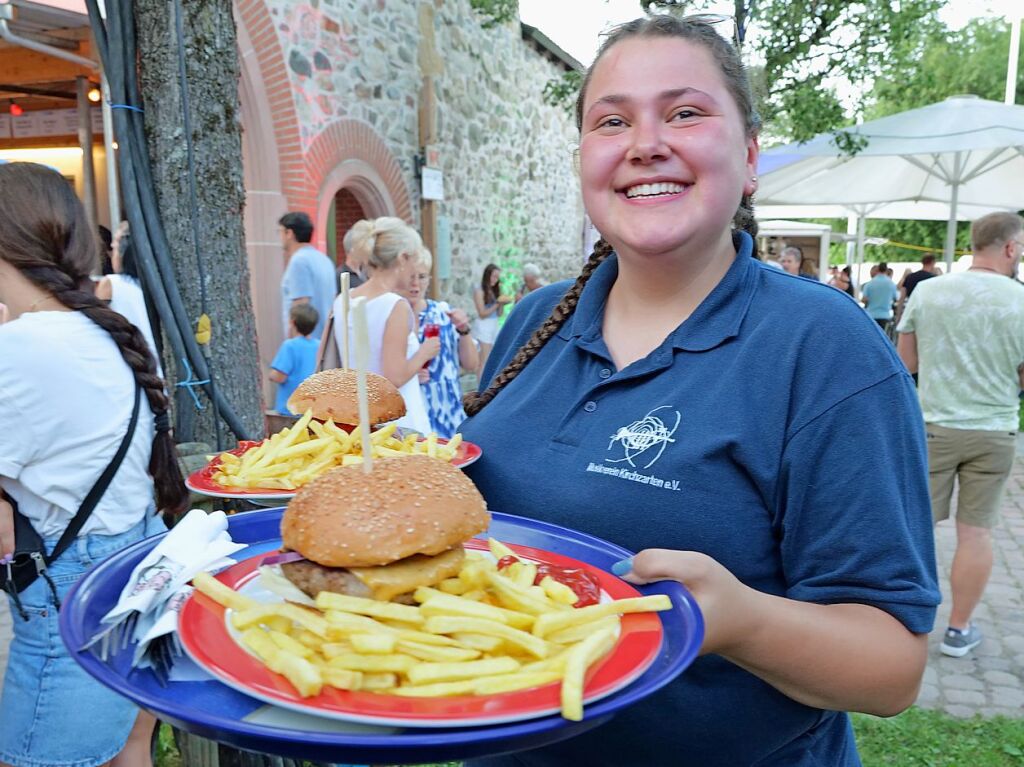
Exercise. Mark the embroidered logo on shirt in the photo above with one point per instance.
(645, 440)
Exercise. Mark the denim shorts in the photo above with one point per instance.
(53, 714)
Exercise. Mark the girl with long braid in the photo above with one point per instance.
(669, 402)
(69, 367)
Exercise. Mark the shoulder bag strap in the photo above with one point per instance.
(327, 352)
(100, 487)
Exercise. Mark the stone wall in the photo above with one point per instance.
(511, 194)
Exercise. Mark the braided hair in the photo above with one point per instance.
(695, 31)
(44, 234)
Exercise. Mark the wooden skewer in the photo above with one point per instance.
(362, 359)
(343, 319)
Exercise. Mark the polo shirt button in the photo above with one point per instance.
(590, 407)
(606, 373)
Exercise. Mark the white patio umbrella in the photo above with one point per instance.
(960, 158)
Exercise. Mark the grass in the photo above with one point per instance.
(916, 738)
(166, 752)
(924, 738)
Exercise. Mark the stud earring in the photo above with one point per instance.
(754, 179)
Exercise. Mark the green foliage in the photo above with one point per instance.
(925, 234)
(802, 45)
(166, 751)
(922, 738)
(495, 12)
(968, 60)
(562, 91)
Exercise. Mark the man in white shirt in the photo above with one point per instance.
(963, 334)
(309, 277)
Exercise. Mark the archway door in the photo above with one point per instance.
(346, 211)
(352, 190)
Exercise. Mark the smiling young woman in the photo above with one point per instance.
(684, 400)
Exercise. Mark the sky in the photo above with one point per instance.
(574, 25)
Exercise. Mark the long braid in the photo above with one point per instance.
(475, 402)
(45, 235)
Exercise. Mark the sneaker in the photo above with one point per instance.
(958, 643)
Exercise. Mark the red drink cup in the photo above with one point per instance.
(430, 330)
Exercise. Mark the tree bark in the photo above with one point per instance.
(213, 275)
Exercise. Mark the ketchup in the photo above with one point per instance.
(583, 584)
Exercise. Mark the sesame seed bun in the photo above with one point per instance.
(332, 395)
(409, 505)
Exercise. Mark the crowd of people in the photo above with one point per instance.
(423, 346)
(628, 404)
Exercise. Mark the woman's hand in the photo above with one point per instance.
(840, 657)
(6, 529)
(722, 598)
(429, 349)
(423, 376)
(459, 319)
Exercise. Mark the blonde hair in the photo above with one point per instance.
(426, 259)
(380, 242)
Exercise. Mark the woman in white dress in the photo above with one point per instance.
(389, 248)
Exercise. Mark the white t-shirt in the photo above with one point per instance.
(66, 398)
(378, 310)
(127, 299)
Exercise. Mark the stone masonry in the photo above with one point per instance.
(511, 195)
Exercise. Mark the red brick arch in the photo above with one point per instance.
(350, 154)
(276, 86)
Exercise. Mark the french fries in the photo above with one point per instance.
(503, 636)
(308, 448)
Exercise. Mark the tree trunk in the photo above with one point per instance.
(214, 277)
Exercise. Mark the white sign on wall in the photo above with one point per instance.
(433, 184)
(5, 125)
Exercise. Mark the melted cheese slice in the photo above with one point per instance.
(387, 582)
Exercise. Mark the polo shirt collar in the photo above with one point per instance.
(716, 320)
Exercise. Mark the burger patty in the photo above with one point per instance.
(312, 578)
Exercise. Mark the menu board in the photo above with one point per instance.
(23, 125)
(47, 123)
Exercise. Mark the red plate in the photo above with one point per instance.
(205, 635)
(202, 481)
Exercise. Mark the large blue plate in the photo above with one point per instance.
(213, 710)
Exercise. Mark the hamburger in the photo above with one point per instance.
(381, 534)
(332, 396)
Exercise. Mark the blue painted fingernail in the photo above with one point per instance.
(623, 566)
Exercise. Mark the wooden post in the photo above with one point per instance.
(430, 65)
(85, 141)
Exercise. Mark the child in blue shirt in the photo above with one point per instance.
(295, 361)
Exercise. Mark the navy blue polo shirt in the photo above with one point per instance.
(775, 430)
